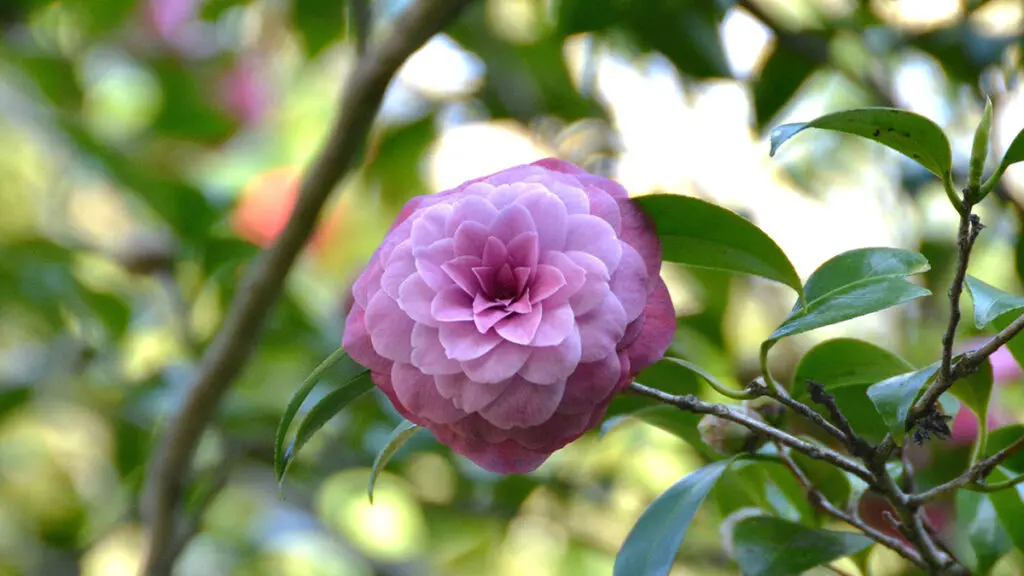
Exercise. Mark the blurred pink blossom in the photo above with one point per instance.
(244, 92)
(170, 18)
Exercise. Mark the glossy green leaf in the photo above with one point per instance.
(1009, 507)
(1001, 438)
(894, 397)
(846, 368)
(830, 481)
(399, 436)
(328, 407)
(338, 362)
(977, 516)
(853, 284)
(990, 302)
(697, 233)
(767, 546)
(652, 544)
(975, 391)
(908, 133)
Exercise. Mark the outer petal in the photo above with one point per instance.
(356, 342)
(414, 298)
(524, 404)
(601, 329)
(508, 457)
(629, 282)
(390, 329)
(499, 364)
(658, 328)
(427, 353)
(550, 216)
(467, 395)
(417, 392)
(591, 234)
(638, 232)
(553, 363)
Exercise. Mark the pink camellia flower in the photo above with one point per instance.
(504, 314)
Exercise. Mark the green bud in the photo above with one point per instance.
(979, 152)
(728, 437)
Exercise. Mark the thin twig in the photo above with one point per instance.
(970, 227)
(362, 96)
(691, 403)
(818, 499)
(974, 474)
(854, 442)
(971, 360)
(759, 388)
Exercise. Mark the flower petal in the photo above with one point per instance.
(601, 329)
(524, 404)
(555, 326)
(591, 234)
(520, 328)
(356, 342)
(429, 260)
(429, 226)
(549, 216)
(511, 222)
(399, 267)
(390, 328)
(470, 239)
(550, 364)
(546, 281)
(523, 250)
(605, 207)
(499, 364)
(590, 384)
(463, 342)
(414, 298)
(629, 282)
(475, 209)
(467, 395)
(658, 328)
(427, 353)
(575, 276)
(460, 271)
(452, 305)
(418, 393)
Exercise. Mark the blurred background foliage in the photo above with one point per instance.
(151, 147)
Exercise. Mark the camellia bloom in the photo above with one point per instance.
(503, 315)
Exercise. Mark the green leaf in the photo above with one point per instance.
(766, 546)
(348, 370)
(101, 18)
(399, 436)
(975, 391)
(322, 412)
(1009, 507)
(319, 22)
(846, 368)
(55, 77)
(990, 302)
(652, 544)
(830, 481)
(894, 397)
(188, 111)
(1001, 438)
(853, 284)
(783, 73)
(977, 515)
(1016, 344)
(910, 134)
(697, 233)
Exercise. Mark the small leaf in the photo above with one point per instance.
(894, 397)
(697, 233)
(976, 514)
(652, 544)
(846, 368)
(766, 546)
(910, 134)
(830, 481)
(990, 302)
(1009, 507)
(976, 390)
(1014, 154)
(348, 367)
(853, 284)
(1001, 438)
(399, 436)
(322, 412)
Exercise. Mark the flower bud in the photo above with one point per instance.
(728, 437)
(979, 151)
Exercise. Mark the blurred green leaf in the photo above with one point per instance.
(214, 9)
(399, 436)
(319, 22)
(54, 76)
(697, 233)
(906, 132)
(652, 544)
(1016, 344)
(218, 252)
(1001, 438)
(975, 390)
(766, 546)
(14, 397)
(101, 18)
(846, 368)
(1009, 507)
(189, 110)
(962, 50)
(343, 370)
(781, 76)
(396, 159)
(828, 479)
(1018, 248)
(894, 397)
(853, 284)
(976, 514)
(990, 302)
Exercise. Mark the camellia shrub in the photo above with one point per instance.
(518, 311)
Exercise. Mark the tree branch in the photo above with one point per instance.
(362, 96)
(974, 475)
(818, 499)
(691, 403)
